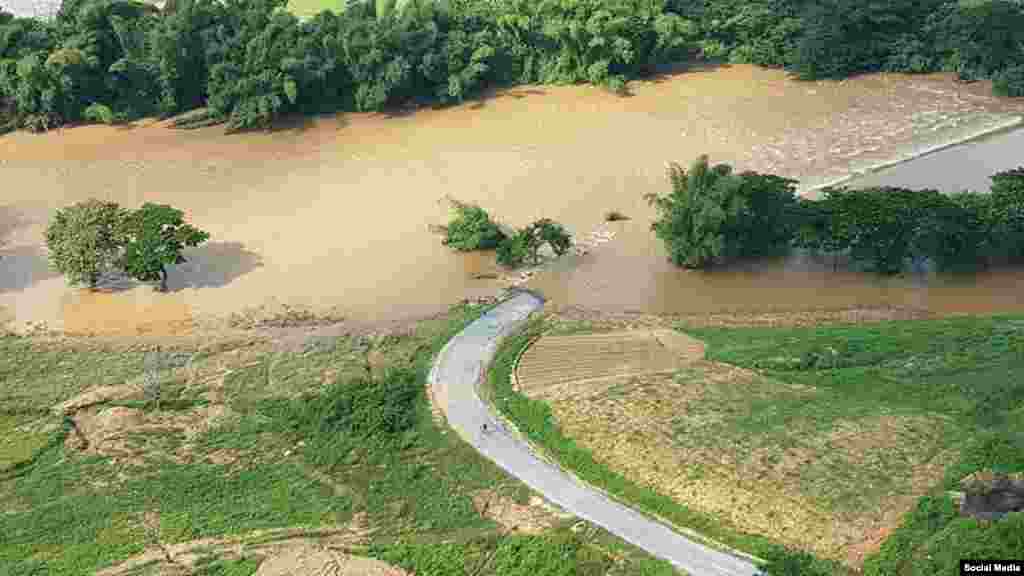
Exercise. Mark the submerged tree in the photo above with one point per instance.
(692, 216)
(155, 236)
(84, 240)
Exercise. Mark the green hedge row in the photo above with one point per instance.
(712, 216)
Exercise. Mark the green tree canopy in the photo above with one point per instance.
(155, 236)
(84, 240)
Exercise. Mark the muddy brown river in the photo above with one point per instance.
(334, 213)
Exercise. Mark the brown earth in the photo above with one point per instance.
(319, 551)
(534, 517)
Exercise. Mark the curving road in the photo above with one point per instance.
(454, 377)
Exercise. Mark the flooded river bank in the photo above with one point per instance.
(334, 213)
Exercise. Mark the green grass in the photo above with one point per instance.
(357, 445)
(967, 371)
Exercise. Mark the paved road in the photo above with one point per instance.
(457, 372)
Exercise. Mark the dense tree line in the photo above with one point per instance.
(250, 61)
(712, 216)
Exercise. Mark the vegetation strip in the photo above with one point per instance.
(459, 369)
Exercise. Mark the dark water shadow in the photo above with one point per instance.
(212, 265)
(23, 266)
(10, 220)
(499, 92)
(297, 123)
(20, 266)
(667, 72)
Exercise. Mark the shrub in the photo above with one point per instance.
(100, 113)
(514, 250)
(527, 242)
(712, 215)
(471, 229)
(783, 561)
(1007, 216)
(350, 412)
(552, 233)
(84, 240)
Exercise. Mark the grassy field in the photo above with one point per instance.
(837, 440)
(254, 452)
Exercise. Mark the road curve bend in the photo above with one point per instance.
(454, 379)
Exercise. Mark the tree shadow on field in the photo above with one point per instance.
(212, 265)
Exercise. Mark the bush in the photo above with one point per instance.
(85, 240)
(100, 113)
(783, 561)
(514, 251)
(1007, 216)
(471, 229)
(350, 412)
(527, 242)
(712, 215)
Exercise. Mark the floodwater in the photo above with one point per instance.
(961, 167)
(335, 213)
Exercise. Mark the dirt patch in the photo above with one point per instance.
(310, 560)
(299, 551)
(99, 395)
(532, 518)
(130, 434)
(555, 360)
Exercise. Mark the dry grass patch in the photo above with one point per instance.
(718, 439)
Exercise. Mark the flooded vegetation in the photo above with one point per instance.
(334, 213)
